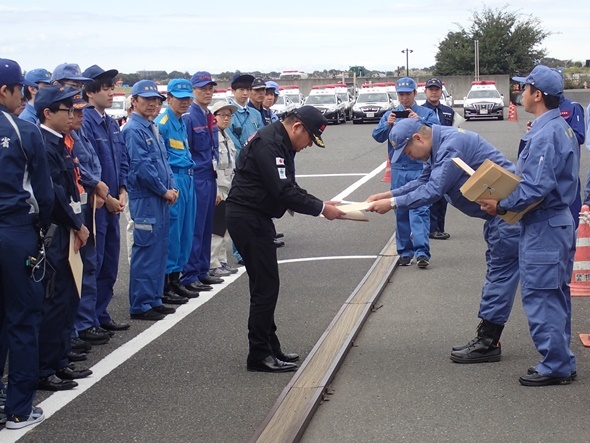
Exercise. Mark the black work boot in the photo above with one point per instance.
(169, 296)
(180, 289)
(484, 348)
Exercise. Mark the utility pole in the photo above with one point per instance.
(407, 52)
(476, 44)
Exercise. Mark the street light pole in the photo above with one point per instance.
(407, 52)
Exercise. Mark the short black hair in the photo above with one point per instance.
(27, 92)
(53, 108)
(241, 85)
(12, 87)
(96, 85)
(550, 101)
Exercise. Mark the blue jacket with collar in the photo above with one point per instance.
(245, 122)
(90, 169)
(29, 114)
(447, 113)
(573, 113)
(203, 139)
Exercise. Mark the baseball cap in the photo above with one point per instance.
(241, 79)
(258, 83)
(146, 88)
(68, 71)
(39, 75)
(433, 82)
(314, 121)
(11, 74)
(201, 78)
(272, 85)
(79, 102)
(546, 79)
(401, 134)
(52, 94)
(223, 105)
(95, 71)
(405, 84)
(180, 88)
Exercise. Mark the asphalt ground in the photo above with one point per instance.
(186, 381)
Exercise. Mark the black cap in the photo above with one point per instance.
(433, 82)
(314, 121)
(258, 83)
(241, 79)
(52, 94)
(96, 71)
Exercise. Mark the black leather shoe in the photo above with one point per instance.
(163, 309)
(183, 291)
(79, 345)
(289, 357)
(279, 235)
(197, 286)
(94, 336)
(279, 243)
(171, 298)
(69, 373)
(481, 351)
(54, 383)
(77, 356)
(536, 379)
(466, 345)
(270, 364)
(211, 280)
(532, 370)
(104, 331)
(151, 315)
(114, 326)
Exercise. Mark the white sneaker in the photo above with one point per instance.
(36, 416)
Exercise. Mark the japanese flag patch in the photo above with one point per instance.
(280, 161)
(282, 173)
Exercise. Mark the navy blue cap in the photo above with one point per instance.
(401, 134)
(314, 121)
(11, 74)
(434, 82)
(68, 71)
(258, 83)
(202, 78)
(180, 88)
(78, 99)
(239, 78)
(146, 88)
(545, 79)
(405, 84)
(95, 71)
(272, 85)
(52, 94)
(39, 75)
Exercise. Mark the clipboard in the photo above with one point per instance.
(76, 264)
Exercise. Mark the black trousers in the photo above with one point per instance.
(253, 235)
(438, 211)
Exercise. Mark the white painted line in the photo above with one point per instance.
(359, 183)
(343, 257)
(330, 175)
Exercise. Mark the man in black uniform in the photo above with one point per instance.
(264, 187)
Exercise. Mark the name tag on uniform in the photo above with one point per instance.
(282, 173)
(76, 207)
(84, 198)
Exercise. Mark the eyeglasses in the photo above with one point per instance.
(68, 110)
(224, 115)
(73, 84)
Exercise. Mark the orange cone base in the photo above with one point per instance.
(387, 177)
(580, 282)
(585, 340)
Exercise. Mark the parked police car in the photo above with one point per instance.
(219, 95)
(294, 93)
(117, 109)
(483, 100)
(283, 105)
(373, 101)
(325, 99)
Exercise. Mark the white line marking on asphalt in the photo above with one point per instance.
(120, 355)
(330, 175)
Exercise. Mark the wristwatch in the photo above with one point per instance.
(392, 202)
(500, 210)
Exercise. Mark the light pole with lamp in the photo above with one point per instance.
(407, 52)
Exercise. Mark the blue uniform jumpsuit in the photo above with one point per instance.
(29, 114)
(149, 179)
(183, 212)
(107, 140)
(415, 221)
(573, 113)
(438, 210)
(90, 173)
(442, 178)
(26, 201)
(203, 142)
(548, 164)
(61, 302)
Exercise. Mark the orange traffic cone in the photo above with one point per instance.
(512, 114)
(580, 284)
(387, 177)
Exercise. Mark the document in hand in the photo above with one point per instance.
(353, 211)
(491, 181)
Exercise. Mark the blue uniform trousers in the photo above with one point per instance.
(59, 307)
(438, 212)
(182, 222)
(200, 256)
(108, 239)
(411, 221)
(547, 250)
(148, 263)
(86, 315)
(502, 275)
(21, 299)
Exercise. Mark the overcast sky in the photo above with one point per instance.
(217, 36)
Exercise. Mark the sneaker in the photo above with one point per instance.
(219, 272)
(405, 261)
(20, 421)
(422, 262)
(228, 268)
(438, 235)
